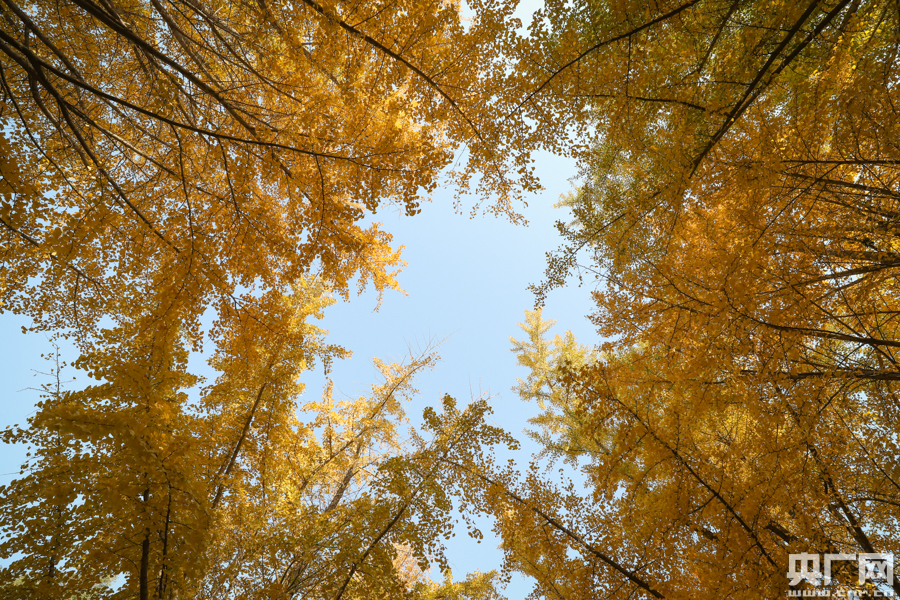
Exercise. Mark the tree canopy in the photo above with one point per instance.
(736, 212)
(738, 207)
(162, 161)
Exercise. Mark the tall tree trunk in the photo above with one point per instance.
(226, 468)
(145, 559)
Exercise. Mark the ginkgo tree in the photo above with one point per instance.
(161, 161)
(738, 201)
(203, 149)
(559, 428)
(738, 204)
(240, 493)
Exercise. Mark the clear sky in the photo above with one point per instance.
(467, 285)
(467, 282)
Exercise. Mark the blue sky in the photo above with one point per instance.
(467, 284)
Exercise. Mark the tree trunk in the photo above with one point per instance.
(145, 559)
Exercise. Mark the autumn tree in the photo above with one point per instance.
(241, 494)
(162, 161)
(212, 148)
(559, 428)
(737, 204)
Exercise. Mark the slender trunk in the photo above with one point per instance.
(145, 559)
(54, 545)
(145, 567)
(163, 574)
(226, 470)
(348, 477)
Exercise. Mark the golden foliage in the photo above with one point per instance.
(739, 207)
(166, 161)
(739, 202)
